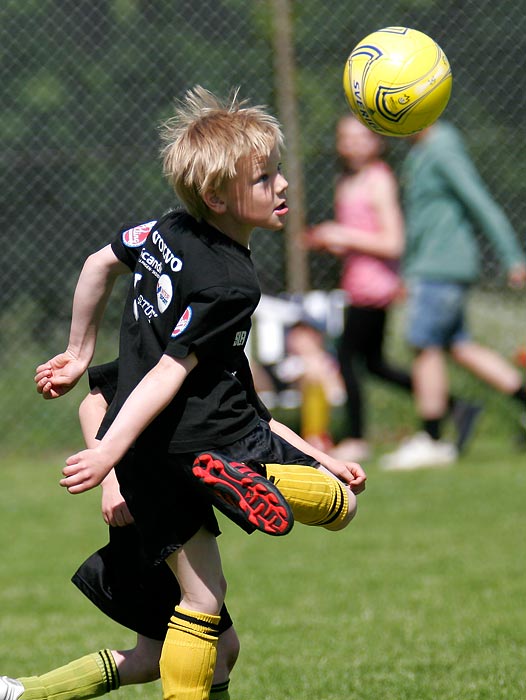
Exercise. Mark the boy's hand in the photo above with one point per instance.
(350, 473)
(359, 477)
(354, 476)
(59, 375)
(114, 509)
(85, 470)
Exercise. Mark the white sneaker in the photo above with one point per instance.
(419, 451)
(10, 689)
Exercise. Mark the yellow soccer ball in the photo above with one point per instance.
(397, 81)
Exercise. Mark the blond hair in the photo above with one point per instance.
(206, 138)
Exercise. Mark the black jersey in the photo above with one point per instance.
(104, 378)
(194, 290)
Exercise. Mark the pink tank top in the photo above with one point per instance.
(368, 280)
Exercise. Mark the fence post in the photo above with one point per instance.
(284, 81)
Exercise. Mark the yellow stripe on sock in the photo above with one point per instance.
(189, 654)
(88, 677)
(314, 497)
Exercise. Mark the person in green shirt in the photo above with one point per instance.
(446, 203)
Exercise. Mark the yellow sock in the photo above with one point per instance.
(315, 410)
(87, 677)
(314, 497)
(219, 691)
(188, 656)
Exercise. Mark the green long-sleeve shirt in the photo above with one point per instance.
(445, 201)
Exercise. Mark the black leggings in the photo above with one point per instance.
(361, 344)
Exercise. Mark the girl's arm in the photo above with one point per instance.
(387, 241)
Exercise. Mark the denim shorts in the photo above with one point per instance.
(436, 314)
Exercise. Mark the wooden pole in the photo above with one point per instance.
(285, 86)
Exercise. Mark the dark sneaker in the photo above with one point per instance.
(244, 495)
(464, 416)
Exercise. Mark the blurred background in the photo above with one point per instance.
(86, 84)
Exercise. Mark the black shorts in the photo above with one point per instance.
(262, 445)
(168, 502)
(165, 500)
(119, 580)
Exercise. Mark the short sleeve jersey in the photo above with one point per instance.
(194, 290)
(104, 378)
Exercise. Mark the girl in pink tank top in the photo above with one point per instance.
(369, 280)
(367, 233)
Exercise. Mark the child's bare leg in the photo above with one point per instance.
(189, 651)
(140, 664)
(430, 383)
(227, 653)
(489, 366)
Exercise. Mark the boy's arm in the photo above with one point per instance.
(92, 410)
(60, 374)
(154, 392)
(350, 473)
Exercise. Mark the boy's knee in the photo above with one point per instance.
(232, 647)
(228, 648)
(316, 496)
(222, 588)
(347, 512)
(343, 503)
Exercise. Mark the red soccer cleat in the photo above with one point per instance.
(243, 495)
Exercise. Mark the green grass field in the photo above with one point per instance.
(421, 598)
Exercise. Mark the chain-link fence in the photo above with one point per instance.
(86, 83)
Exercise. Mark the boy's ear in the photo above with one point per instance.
(214, 201)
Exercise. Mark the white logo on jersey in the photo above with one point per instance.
(240, 338)
(146, 307)
(183, 322)
(136, 279)
(164, 292)
(142, 304)
(169, 258)
(150, 262)
(136, 236)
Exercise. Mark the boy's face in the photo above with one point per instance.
(256, 197)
